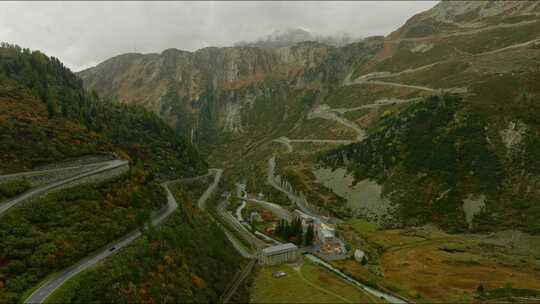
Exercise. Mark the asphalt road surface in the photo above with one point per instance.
(217, 177)
(43, 189)
(40, 294)
(238, 227)
(275, 208)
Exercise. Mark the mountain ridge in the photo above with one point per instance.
(251, 96)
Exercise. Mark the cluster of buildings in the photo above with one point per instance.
(325, 234)
(325, 241)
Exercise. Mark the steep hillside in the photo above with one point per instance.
(165, 265)
(47, 116)
(456, 29)
(52, 233)
(469, 155)
(48, 119)
(220, 91)
(438, 162)
(468, 161)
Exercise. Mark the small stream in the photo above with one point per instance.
(377, 293)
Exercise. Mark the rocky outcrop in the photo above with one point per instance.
(212, 89)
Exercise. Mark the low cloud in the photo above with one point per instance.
(82, 34)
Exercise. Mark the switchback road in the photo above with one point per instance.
(204, 197)
(40, 294)
(109, 165)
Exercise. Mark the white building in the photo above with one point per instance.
(305, 218)
(278, 254)
(359, 255)
(325, 233)
(327, 240)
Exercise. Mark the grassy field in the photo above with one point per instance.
(307, 284)
(418, 263)
(361, 226)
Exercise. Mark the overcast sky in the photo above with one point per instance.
(82, 34)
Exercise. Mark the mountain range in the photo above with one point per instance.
(231, 102)
(418, 151)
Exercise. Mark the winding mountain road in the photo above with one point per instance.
(243, 251)
(275, 208)
(51, 170)
(103, 167)
(376, 104)
(410, 86)
(293, 197)
(322, 141)
(371, 78)
(325, 112)
(239, 211)
(238, 227)
(41, 294)
(510, 47)
(374, 78)
(204, 197)
(469, 32)
(287, 142)
(381, 75)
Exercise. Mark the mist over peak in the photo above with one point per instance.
(290, 36)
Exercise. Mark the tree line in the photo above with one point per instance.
(294, 232)
(31, 76)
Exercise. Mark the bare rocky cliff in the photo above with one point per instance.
(213, 88)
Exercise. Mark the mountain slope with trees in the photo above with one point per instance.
(47, 117)
(242, 98)
(437, 158)
(188, 259)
